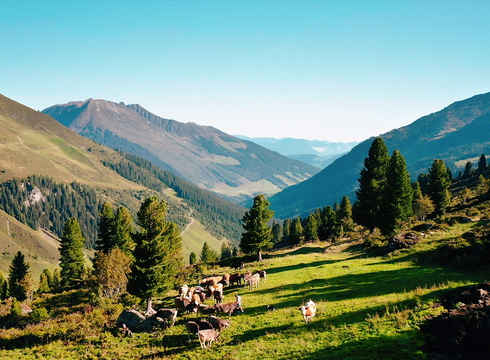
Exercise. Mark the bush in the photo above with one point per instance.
(15, 309)
(40, 314)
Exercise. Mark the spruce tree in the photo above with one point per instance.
(18, 277)
(468, 170)
(286, 230)
(257, 236)
(123, 231)
(3, 287)
(157, 253)
(276, 232)
(397, 195)
(438, 186)
(482, 164)
(296, 234)
(192, 258)
(43, 284)
(71, 251)
(311, 228)
(105, 237)
(206, 254)
(371, 182)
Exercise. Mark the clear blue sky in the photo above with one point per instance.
(327, 70)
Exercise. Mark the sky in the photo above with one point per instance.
(340, 71)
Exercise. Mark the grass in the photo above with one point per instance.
(368, 307)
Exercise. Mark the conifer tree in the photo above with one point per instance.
(286, 230)
(311, 228)
(49, 278)
(482, 164)
(276, 232)
(468, 170)
(206, 254)
(371, 182)
(397, 195)
(438, 186)
(56, 280)
(296, 234)
(18, 277)
(3, 287)
(123, 231)
(258, 235)
(323, 225)
(157, 253)
(192, 258)
(225, 251)
(43, 284)
(71, 251)
(105, 237)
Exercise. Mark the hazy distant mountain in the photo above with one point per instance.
(458, 133)
(315, 160)
(290, 146)
(202, 155)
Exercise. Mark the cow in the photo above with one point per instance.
(228, 308)
(207, 336)
(218, 296)
(238, 265)
(253, 281)
(181, 303)
(236, 279)
(190, 292)
(218, 324)
(308, 311)
(205, 310)
(263, 275)
(168, 315)
(193, 327)
(196, 299)
(225, 280)
(246, 277)
(183, 290)
(213, 288)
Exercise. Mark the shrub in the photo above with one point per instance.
(15, 309)
(40, 314)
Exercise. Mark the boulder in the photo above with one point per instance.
(137, 322)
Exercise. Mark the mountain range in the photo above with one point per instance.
(319, 153)
(33, 143)
(205, 156)
(455, 134)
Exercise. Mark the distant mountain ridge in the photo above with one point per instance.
(202, 155)
(456, 133)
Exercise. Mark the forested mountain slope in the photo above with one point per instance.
(202, 155)
(49, 173)
(456, 133)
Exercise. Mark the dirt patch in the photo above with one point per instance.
(463, 331)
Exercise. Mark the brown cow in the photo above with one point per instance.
(168, 315)
(218, 296)
(205, 310)
(246, 277)
(308, 311)
(253, 281)
(181, 303)
(213, 288)
(218, 324)
(183, 290)
(225, 280)
(228, 308)
(236, 279)
(207, 336)
(196, 299)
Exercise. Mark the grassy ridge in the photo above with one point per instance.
(368, 308)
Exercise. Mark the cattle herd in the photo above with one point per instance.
(207, 325)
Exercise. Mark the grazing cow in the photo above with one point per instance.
(205, 310)
(253, 281)
(308, 311)
(207, 336)
(218, 297)
(263, 275)
(192, 329)
(228, 308)
(218, 324)
(168, 315)
(196, 299)
(190, 292)
(247, 277)
(183, 290)
(225, 280)
(236, 279)
(213, 288)
(181, 303)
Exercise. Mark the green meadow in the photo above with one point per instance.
(369, 307)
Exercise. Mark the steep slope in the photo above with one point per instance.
(202, 155)
(33, 143)
(458, 132)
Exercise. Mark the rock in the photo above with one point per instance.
(402, 241)
(137, 322)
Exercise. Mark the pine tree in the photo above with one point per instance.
(276, 232)
(311, 229)
(397, 195)
(206, 254)
(438, 186)
(345, 216)
(226, 251)
(105, 237)
(3, 287)
(49, 278)
(18, 277)
(482, 164)
(286, 230)
(157, 253)
(371, 182)
(296, 234)
(123, 231)
(258, 235)
(468, 170)
(71, 251)
(56, 280)
(43, 284)
(192, 258)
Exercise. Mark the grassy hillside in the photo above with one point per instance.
(369, 307)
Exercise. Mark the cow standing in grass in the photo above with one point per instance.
(308, 311)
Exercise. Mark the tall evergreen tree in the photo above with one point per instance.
(18, 277)
(286, 230)
(123, 231)
(371, 182)
(397, 195)
(157, 253)
(226, 251)
(258, 235)
(482, 164)
(276, 232)
(438, 186)
(296, 234)
(206, 254)
(3, 287)
(468, 170)
(71, 251)
(192, 258)
(311, 229)
(105, 237)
